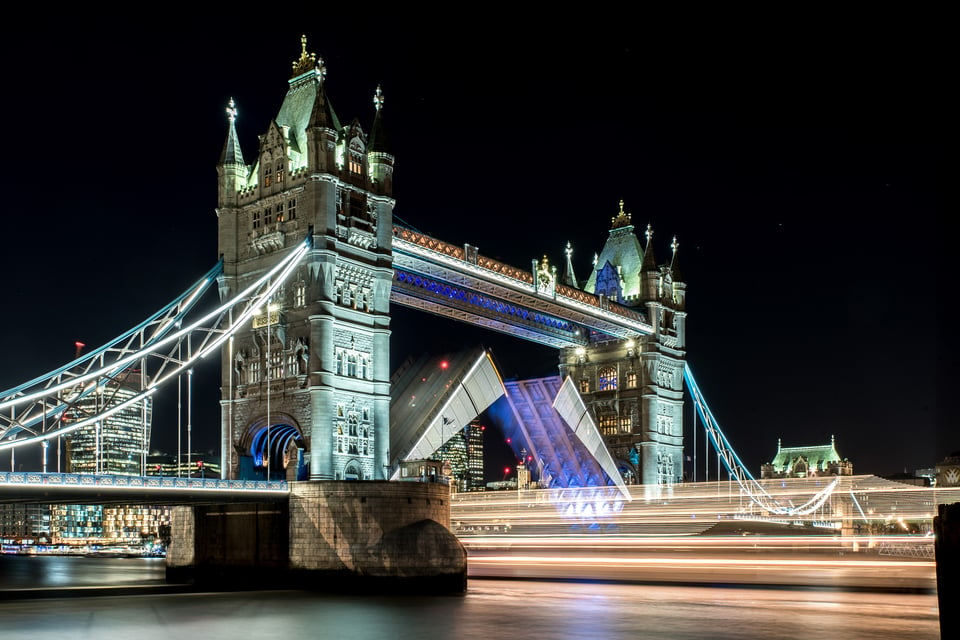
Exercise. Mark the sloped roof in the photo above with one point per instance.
(622, 249)
(817, 456)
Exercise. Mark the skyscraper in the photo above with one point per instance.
(117, 444)
(464, 451)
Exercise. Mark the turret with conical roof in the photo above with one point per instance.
(379, 156)
(231, 169)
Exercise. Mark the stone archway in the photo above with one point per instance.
(278, 445)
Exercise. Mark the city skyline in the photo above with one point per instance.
(805, 194)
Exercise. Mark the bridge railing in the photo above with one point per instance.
(138, 482)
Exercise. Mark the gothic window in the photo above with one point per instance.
(254, 371)
(625, 424)
(280, 217)
(292, 209)
(584, 385)
(300, 294)
(339, 410)
(266, 177)
(352, 423)
(366, 414)
(608, 423)
(280, 171)
(276, 365)
(607, 379)
(256, 219)
(267, 216)
(352, 365)
(291, 363)
(341, 367)
(631, 379)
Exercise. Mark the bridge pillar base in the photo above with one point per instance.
(373, 536)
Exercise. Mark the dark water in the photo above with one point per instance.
(492, 609)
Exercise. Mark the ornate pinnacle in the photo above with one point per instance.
(307, 61)
(674, 245)
(649, 233)
(378, 99)
(568, 250)
(622, 219)
(232, 110)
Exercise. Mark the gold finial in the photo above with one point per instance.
(622, 219)
(232, 110)
(378, 99)
(307, 61)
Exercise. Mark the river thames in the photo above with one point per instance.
(490, 609)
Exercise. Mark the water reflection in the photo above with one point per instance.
(491, 609)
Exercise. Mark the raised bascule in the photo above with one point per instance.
(311, 261)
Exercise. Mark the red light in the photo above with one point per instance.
(529, 458)
(508, 440)
(444, 364)
(199, 464)
(506, 469)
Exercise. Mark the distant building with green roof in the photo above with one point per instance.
(807, 462)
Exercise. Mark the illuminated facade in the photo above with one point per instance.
(196, 465)
(807, 462)
(306, 387)
(633, 388)
(24, 522)
(117, 444)
(464, 452)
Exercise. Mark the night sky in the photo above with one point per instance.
(801, 171)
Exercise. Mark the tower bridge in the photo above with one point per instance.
(311, 261)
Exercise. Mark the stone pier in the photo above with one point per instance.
(374, 536)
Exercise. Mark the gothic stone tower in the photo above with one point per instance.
(305, 387)
(634, 388)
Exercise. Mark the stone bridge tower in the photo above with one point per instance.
(305, 386)
(634, 388)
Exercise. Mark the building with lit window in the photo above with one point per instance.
(118, 444)
(633, 388)
(464, 452)
(807, 462)
(24, 523)
(198, 464)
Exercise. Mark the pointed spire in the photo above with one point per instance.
(231, 153)
(649, 261)
(675, 261)
(378, 132)
(569, 277)
(322, 114)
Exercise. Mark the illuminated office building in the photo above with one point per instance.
(464, 452)
(117, 444)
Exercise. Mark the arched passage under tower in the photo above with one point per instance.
(274, 447)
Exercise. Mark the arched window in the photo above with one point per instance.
(280, 171)
(607, 379)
